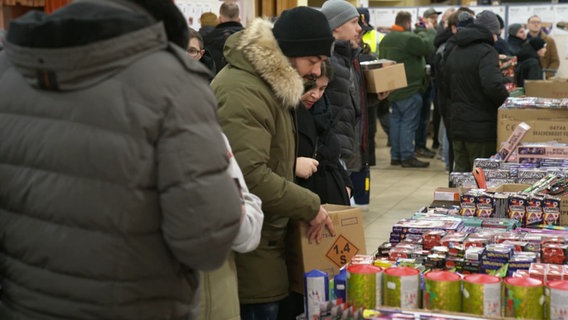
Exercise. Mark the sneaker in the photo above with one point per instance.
(414, 163)
(562, 25)
(425, 153)
(395, 162)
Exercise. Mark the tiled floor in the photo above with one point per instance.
(397, 192)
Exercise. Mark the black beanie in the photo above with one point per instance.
(168, 12)
(537, 43)
(303, 32)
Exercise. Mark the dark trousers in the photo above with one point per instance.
(260, 311)
(466, 152)
(361, 181)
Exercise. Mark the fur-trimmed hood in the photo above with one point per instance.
(256, 50)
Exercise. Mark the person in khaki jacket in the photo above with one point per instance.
(257, 93)
(551, 60)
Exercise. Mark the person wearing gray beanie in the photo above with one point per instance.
(489, 20)
(514, 29)
(464, 20)
(338, 12)
(517, 37)
(345, 94)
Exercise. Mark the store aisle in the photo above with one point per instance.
(397, 192)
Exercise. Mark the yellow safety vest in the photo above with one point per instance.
(372, 39)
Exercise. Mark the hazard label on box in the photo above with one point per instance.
(341, 251)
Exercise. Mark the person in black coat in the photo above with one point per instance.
(477, 89)
(318, 146)
(196, 51)
(517, 37)
(214, 41)
(528, 65)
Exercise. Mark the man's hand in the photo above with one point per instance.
(317, 224)
(305, 167)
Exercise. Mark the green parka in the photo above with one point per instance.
(257, 92)
(409, 48)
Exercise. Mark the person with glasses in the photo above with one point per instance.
(551, 61)
(196, 51)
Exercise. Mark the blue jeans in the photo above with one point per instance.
(422, 131)
(260, 311)
(404, 122)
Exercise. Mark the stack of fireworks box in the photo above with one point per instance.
(491, 251)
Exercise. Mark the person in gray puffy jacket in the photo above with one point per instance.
(115, 189)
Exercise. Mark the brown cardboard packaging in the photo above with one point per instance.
(546, 124)
(387, 78)
(331, 253)
(557, 88)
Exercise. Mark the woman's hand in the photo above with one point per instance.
(305, 167)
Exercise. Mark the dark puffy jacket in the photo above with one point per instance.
(528, 65)
(476, 85)
(502, 47)
(347, 98)
(106, 207)
(515, 44)
(315, 140)
(442, 47)
(214, 41)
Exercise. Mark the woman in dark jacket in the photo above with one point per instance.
(318, 145)
(528, 66)
(517, 37)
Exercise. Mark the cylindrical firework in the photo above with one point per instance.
(557, 298)
(364, 285)
(442, 291)
(315, 291)
(524, 298)
(340, 284)
(482, 295)
(401, 287)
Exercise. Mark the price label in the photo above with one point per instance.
(341, 251)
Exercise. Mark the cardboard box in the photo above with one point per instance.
(387, 78)
(546, 124)
(557, 88)
(447, 194)
(331, 253)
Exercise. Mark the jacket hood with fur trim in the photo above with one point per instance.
(256, 50)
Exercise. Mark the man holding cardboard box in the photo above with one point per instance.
(403, 46)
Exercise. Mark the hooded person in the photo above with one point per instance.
(267, 65)
(102, 214)
(517, 37)
(528, 66)
(501, 45)
(476, 89)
